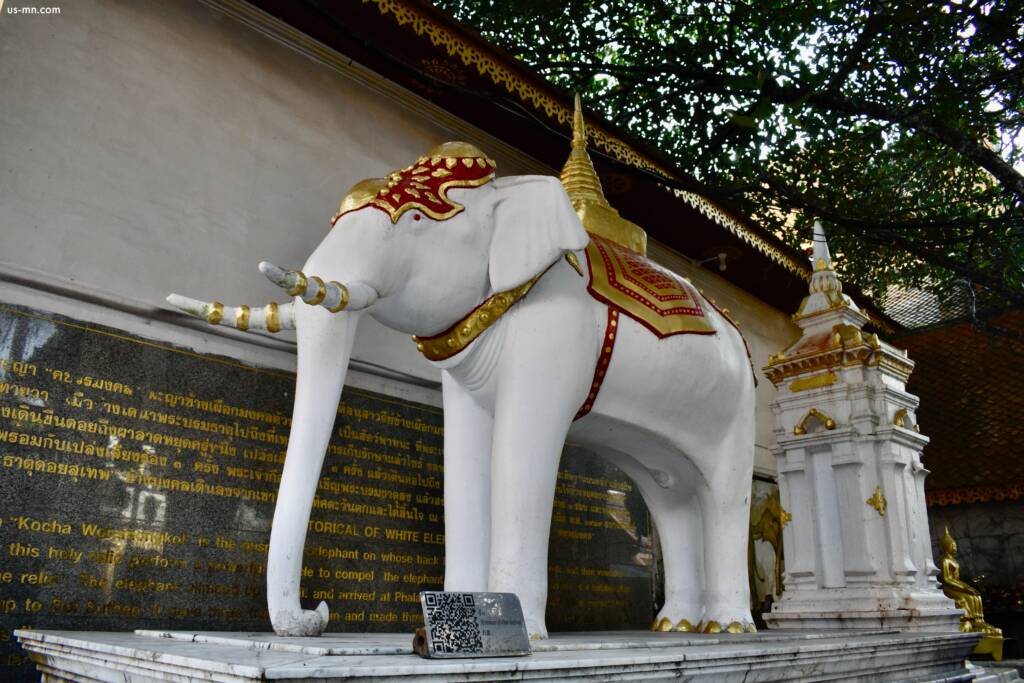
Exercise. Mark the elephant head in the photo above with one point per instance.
(416, 250)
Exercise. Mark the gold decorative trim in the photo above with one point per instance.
(574, 261)
(500, 75)
(343, 302)
(300, 285)
(663, 626)
(801, 427)
(242, 318)
(581, 183)
(684, 626)
(216, 313)
(273, 318)
(850, 347)
(877, 501)
(974, 494)
(784, 517)
(321, 292)
(823, 379)
(423, 185)
(465, 331)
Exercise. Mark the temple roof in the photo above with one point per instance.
(971, 385)
(413, 44)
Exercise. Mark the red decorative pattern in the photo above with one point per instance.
(657, 298)
(424, 186)
(604, 358)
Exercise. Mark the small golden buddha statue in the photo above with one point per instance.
(965, 595)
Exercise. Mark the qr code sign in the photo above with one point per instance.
(452, 622)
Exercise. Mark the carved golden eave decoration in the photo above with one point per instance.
(877, 501)
(848, 347)
(587, 196)
(975, 494)
(499, 73)
(801, 427)
(784, 517)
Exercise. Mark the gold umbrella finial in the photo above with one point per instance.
(579, 129)
(587, 196)
(578, 175)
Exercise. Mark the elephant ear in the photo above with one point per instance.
(534, 225)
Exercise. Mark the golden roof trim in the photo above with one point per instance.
(974, 494)
(500, 74)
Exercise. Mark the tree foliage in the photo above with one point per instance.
(899, 124)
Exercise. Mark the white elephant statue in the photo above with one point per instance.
(486, 273)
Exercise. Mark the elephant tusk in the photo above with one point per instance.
(334, 296)
(273, 317)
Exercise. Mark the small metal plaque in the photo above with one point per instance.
(472, 625)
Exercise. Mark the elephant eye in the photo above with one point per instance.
(416, 216)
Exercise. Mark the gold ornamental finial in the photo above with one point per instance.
(578, 175)
(825, 291)
(587, 196)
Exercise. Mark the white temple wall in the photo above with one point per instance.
(150, 147)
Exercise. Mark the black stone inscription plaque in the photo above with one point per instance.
(601, 560)
(138, 483)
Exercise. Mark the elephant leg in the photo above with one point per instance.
(677, 518)
(468, 430)
(532, 418)
(676, 514)
(725, 510)
(324, 346)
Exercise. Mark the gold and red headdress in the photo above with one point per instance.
(423, 185)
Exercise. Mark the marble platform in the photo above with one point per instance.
(875, 656)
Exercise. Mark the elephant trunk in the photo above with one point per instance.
(273, 317)
(324, 349)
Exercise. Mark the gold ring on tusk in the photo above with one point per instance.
(300, 285)
(215, 313)
(242, 318)
(273, 320)
(343, 302)
(321, 292)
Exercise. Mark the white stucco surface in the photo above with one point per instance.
(151, 147)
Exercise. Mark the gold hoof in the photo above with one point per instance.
(685, 626)
(663, 626)
(734, 627)
(712, 627)
(751, 628)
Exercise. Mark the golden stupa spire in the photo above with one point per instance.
(825, 291)
(578, 175)
(584, 189)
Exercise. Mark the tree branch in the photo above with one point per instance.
(864, 229)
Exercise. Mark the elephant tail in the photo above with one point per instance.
(273, 317)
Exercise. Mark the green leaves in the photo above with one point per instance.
(900, 124)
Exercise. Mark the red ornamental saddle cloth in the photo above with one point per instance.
(655, 297)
